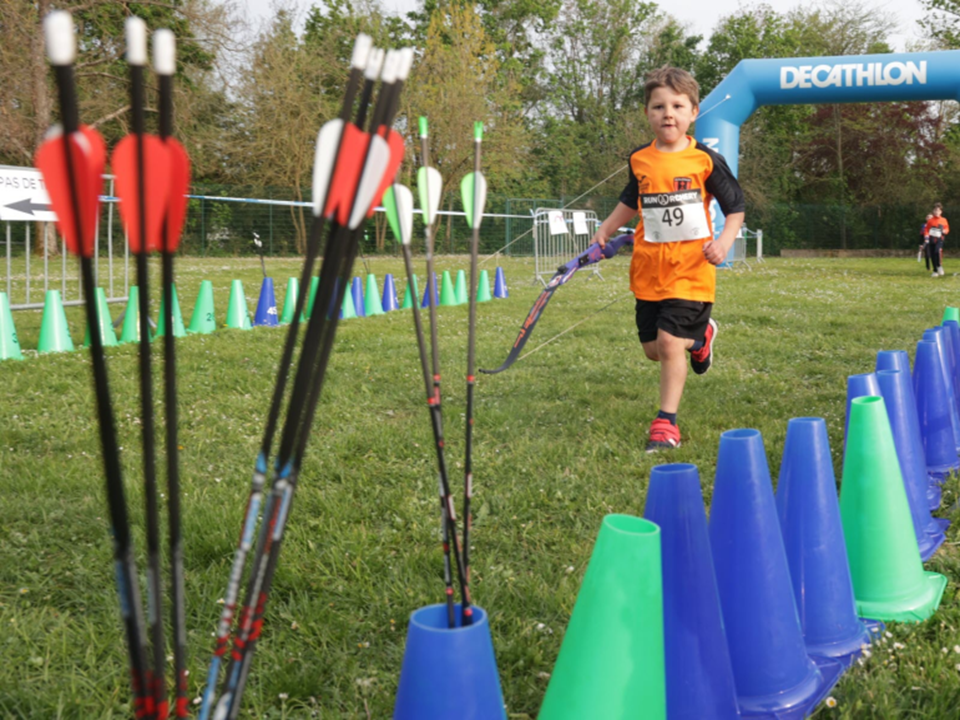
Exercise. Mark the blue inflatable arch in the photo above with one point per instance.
(819, 80)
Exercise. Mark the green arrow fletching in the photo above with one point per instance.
(429, 185)
(398, 201)
(474, 186)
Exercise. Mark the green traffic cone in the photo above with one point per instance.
(951, 313)
(483, 288)
(178, 329)
(348, 309)
(447, 294)
(371, 299)
(107, 336)
(889, 581)
(460, 289)
(410, 297)
(290, 301)
(203, 320)
(308, 309)
(9, 343)
(611, 662)
(238, 316)
(130, 332)
(54, 332)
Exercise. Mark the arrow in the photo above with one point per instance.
(474, 192)
(165, 62)
(28, 207)
(75, 175)
(332, 149)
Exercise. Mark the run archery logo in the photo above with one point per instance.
(682, 183)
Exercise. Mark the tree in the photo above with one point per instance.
(942, 21)
(26, 85)
(456, 83)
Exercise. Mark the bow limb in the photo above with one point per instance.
(591, 255)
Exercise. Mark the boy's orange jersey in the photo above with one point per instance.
(936, 228)
(672, 191)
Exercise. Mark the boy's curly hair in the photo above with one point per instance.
(680, 81)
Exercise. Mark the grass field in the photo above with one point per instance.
(558, 444)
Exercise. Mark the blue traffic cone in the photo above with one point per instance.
(267, 306)
(389, 300)
(899, 360)
(698, 670)
(897, 393)
(809, 515)
(500, 285)
(426, 293)
(933, 411)
(356, 290)
(859, 386)
(774, 674)
(448, 672)
(893, 360)
(951, 336)
(939, 335)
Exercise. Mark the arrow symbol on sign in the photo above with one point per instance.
(28, 207)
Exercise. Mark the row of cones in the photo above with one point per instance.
(55, 334)
(758, 612)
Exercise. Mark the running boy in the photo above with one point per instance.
(672, 273)
(937, 229)
(925, 242)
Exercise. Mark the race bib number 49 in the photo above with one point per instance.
(936, 232)
(674, 216)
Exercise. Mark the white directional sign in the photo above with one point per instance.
(23, 195)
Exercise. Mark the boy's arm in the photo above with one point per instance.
(715, 251)
(621, 215)
(946, 227)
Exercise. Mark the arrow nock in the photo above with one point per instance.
(61, 42)
(164, 52)
(136, 31)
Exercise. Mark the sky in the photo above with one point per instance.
(700, 15)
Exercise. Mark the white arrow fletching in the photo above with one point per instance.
(373, 169)
(480, 193)
(429, 185)
(323, 161)
(404, 199)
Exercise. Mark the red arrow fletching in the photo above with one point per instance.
(177, 200)
(397, 151)
(87, 152)
(156, 178)
(346, 175)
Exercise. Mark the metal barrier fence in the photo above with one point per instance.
(21, 241)
(558, 236)
(738, 253)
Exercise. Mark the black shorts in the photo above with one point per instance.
(680, 318)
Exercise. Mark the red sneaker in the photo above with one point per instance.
(663, 434)
(702, 359)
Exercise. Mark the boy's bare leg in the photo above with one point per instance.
(671, 352)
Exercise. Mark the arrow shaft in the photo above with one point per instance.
(177, 594)
(471, 354)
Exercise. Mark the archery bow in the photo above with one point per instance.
(591, 255)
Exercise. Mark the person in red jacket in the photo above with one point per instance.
(937, 229)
